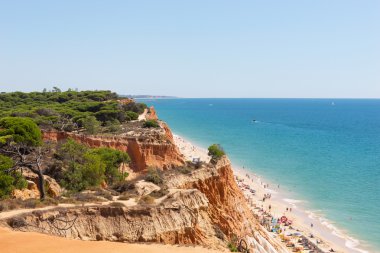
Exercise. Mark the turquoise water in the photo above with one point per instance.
(324, 151)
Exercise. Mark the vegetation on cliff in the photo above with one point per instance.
(151, 123)
(86, 167)
(75, 166)
(216, 152)
(70, 110)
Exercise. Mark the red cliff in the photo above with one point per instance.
(155, 150)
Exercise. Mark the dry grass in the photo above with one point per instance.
(146, 200)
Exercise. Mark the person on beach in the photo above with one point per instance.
(311, 225)
(270, 207)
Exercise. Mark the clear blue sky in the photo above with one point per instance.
(324, 48)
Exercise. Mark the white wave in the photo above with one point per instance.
(292, 201)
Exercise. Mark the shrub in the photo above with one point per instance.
(113, 126)
(123, 186)
(86, 197)
(9, 181)
(104, 194)
(151, 124)
(215, 151)
(160, 193)
(185, 170)
(117, 204)
(132, 115)
(154, 176)
(125, 196)
(91, 124)
(232, 247)
(6, 185)
(146, 200)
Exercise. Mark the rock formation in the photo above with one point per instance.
(204, 206)
(146, 147)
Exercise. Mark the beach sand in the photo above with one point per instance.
(323, 231)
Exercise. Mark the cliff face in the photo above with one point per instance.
(152, 115)
(227, 206)
(151, 150)
(181, 218)
(205, 208)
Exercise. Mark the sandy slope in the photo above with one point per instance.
(20, 242)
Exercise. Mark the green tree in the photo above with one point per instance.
(216, 152)
(112, 159)
(19, 140)
(72, 151)
(20, 130)
(9, 180)
(80, 176)
(91, 124)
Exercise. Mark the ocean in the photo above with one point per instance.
(324, 152)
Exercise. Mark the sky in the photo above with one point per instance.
(193, 48)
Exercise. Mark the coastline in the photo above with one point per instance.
(304, 221)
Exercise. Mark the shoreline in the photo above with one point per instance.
(323, 230)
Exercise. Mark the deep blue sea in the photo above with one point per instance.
(323, 151)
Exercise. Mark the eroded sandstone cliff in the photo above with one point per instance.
(146, 147)
(204, 207)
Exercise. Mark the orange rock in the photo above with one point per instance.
(152, 115)
(143, 153)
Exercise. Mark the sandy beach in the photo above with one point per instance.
(325, 235)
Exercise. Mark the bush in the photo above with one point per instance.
(117, 204)
(113, 126)
(126, 196)
(91, 124)
(146, 200)
(215, 151)
(154, 177)
(6, 185)
(185, 170)
(160, 193)
(123, 186)
(151, 124)
(132, 115)
(86, 197)
(104, 194)
(9, 181)
(90, 167)
(232, 247)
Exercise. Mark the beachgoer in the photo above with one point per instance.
(270, 207)
(287, 209)
(290, 209)
(311, 225)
